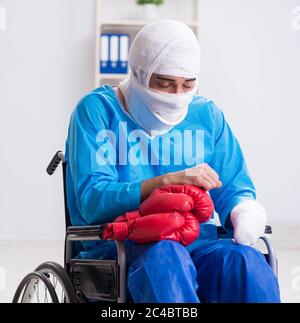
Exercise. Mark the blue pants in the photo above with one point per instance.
(218, 271)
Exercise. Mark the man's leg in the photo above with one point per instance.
(228, 272)
(161, 272)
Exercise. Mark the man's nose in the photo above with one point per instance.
(178, 89)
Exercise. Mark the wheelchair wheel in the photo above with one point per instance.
(35, 288)
(60, 280)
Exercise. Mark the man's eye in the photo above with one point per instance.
(188, 86)
(164, 85)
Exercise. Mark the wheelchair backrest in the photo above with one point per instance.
(57, 158)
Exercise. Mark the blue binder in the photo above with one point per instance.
(114, 49)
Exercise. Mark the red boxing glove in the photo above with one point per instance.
(179, 198)
(154, 227)
(170, 212)
(128, 216)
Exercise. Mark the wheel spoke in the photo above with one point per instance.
(48, 283)
(36, 287)
(36, 290)
(46, 295)
(57, 285)
(54, 282)
(62, 296)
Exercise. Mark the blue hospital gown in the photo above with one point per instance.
(108, 158)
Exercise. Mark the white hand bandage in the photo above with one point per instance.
(248, 219)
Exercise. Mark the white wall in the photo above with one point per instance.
(46, 64)
(250, 68)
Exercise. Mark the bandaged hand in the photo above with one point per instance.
(249, 219)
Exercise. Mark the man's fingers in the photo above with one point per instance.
(211, 171)
(213, 182)
(206, 185)
(204, 176)
(209, 175)
(205, 168)
(205, 182)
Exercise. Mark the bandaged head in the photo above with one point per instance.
(165, 47)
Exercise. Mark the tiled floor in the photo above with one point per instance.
(20, 257)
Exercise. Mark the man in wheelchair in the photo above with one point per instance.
(153, 131)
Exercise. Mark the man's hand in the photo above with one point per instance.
(249, 219)
(202, 176)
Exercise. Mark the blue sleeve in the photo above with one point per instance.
(100, 197)
(228, 161)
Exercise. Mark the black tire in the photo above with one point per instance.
(54, 271)
(27, 288)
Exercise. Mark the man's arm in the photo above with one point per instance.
(100, 196)
(228, 161)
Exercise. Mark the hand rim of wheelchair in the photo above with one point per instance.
(42, 273)
(26, 289)
(59, 273)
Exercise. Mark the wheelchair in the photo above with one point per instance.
(88, 280)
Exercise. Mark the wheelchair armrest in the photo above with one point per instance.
(86, 232)
(222, 233)
(268, 229)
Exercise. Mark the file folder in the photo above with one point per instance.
(124, 50)
(114, 50)
(104, 51)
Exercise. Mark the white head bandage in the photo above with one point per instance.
(165, 47)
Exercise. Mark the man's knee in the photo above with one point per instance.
(169, 244)
(165, 254)
(166, 251)
(245, 262)
(241, 270)
(166, 266)
(244, 255)
(241, 251)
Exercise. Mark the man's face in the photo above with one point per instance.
(171, 84)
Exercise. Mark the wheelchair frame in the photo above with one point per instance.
(88, 233)
(78, 274)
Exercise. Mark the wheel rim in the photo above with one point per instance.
(57, 285)
(35, 288)
(60, 280)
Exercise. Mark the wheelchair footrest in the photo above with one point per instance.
(95, 279)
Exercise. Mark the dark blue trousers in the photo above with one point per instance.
(217, 271)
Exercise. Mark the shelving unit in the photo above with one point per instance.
(124, 16)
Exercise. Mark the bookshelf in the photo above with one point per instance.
(126, 17)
